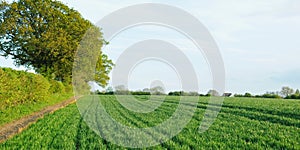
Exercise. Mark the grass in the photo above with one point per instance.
(243, 123)
(19, 111)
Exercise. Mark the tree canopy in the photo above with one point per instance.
(286, 91)
(44, 35)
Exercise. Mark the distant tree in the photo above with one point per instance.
(157, 90)
(146, 90)
(109, 89)
(286, 91)
(202, 95)
(258, 96)
(121, 90)
(247, 95)
(176, 93)
(213, 93)
(270, 95)
(238, 95)
(297, 92)
(296, 95)
(140, 93)
(97, 92)
(193, 94)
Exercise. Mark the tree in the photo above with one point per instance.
(286, 91)
(193, 94)
(176, 93)
(213, 93)
(247, 95)
(45, 34)
(121, 90)
(109, 89)
(146, 90)
(297, 92)
(238, 95)
(157, 90)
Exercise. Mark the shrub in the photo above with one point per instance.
(247, 95)
(56, 87)
(19, 87)
(140, 93)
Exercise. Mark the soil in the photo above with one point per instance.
(15, 127)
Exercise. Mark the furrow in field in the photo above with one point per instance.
(266, 110)
(253, 115)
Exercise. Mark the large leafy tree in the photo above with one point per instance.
(45, 34)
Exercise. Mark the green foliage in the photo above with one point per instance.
(266, 95)
(297, 92)
(122, 93)
(176, 93)
(293, 96)
(68, 87)
(140, 93)
(286, 91)
(121, 90)
(22, 93)
(213, 93)
(247, 95)
(157, 90)
(45, 34)
(243, 123)
(56, 87)
(21, 110)
(90, 64)
(296, 95)
(182, 93)
(238, 95)
(20, 87)
(103, 68)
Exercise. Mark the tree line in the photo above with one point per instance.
(285, 92)
(156, 90)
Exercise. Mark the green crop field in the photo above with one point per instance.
(249, 123)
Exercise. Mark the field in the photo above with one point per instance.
(249, 123)
(14, 113)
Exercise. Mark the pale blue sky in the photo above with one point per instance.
(258, 39)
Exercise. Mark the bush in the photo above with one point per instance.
(19, 87)
(37, 87)
(140, 93)
(271, 96)
(293, 96)
(176, 93)
(56, 87)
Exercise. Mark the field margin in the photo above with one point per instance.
(10, 129)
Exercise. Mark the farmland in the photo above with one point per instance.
(242, 123)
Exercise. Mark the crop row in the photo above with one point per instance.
(240, 124)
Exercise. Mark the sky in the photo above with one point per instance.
(258, 40)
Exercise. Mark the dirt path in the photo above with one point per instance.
(15, 127)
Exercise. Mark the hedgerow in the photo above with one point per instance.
(20, 87)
